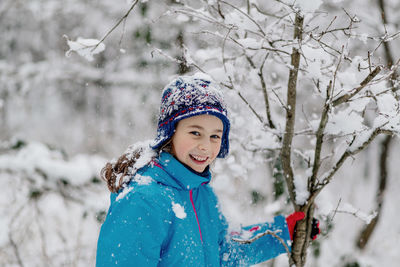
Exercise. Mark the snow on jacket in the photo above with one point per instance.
(169, 216)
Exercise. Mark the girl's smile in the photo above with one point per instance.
(197, 141)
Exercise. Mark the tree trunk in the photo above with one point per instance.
(300, 243)
(301, 239)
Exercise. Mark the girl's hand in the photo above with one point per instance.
(293, 218)
(315, 231)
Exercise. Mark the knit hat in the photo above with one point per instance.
(188, 96)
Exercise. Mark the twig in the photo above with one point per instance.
(364, 83)
(195, 13)
(231, 82)
(223, 50)
(247, 16)
(10, 238)
(116, 25)
(266, 98)
(268, 232)
(178, 61)
(320, 138)
(334, 213)
(279, 99)
(349, 152)
(251, 108)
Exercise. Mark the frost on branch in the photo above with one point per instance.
(349, 209)
(86, 48)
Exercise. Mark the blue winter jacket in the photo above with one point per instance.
(169, 216)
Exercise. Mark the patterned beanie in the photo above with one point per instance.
(188, 96)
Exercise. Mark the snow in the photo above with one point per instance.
(142, 180)
(147, 153)
(263, 140)
(52, 203)
(344, 122)
(388, 105)
(302, 193)
(78, 170)
(179, 210)
(359, 104)
(348, 208)
(124, 192)
(86, 48)
(360, 139)
(204, 54)
(250, 43)
(308, 5)
(182, 18)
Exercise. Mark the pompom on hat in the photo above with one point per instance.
(188, 96)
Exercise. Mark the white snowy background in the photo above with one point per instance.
(65, 110)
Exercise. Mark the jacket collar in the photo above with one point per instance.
(169, 171)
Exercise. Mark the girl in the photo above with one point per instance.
(163, 211)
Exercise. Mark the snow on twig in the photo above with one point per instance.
(84, 47)
(349, 209)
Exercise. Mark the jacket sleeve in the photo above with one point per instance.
(234, 253)
(133, 232)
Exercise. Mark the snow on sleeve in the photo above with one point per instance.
(179, 210)
(84, 47)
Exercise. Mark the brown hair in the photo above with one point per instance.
(118, 174)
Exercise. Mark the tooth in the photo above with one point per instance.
(199, 158)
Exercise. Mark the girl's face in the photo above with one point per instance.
(197, 141)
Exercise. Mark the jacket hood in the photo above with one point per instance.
(167, 170)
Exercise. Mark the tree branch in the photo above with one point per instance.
(247, 16)
(116, 25)
(265, 92)
(320, 138)
(291, 112)
(349, 152)
(347, 97)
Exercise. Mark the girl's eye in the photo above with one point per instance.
(215, 136)
(195, 133)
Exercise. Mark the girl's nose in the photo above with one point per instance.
(203, 145)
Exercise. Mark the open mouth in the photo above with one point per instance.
(198, 159)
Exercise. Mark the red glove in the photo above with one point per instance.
(292, 219)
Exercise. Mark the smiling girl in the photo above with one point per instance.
(163, 211)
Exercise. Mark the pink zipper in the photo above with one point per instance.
(195, 213)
